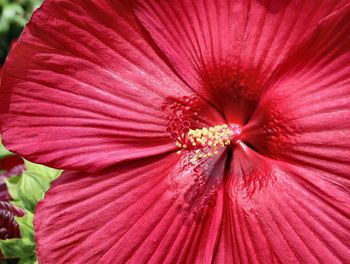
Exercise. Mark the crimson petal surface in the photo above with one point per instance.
(84, 88)
(138, 212)
(198, 36)
(303, 117)
(281, 213)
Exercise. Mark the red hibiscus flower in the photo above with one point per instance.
(193, 131)
(8, 226)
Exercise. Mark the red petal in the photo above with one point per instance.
(279, 213)
(145, 212)
(10, 162)
(11, 209)
(9, 228)
(199, 35)
(84, 88)
(304, 117)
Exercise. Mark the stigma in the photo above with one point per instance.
(208, 141)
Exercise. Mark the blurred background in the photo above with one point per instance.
(14, 14)
(22, 183)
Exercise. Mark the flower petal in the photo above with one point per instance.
(198, 36)
(296, 210)
(9, 228)
(84, 88)
(279, 213)
(304, 117)
(148, 211)
(10, 162)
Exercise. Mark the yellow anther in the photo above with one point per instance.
(207, 142)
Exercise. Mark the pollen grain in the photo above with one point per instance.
(207, 142)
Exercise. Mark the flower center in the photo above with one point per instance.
(206, 142)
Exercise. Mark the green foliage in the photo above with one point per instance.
(3, 151)
(14, 14)
(24, 247)
(27, 190)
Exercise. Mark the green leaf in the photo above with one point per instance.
(24, 247)
(12, 10)
(26, 190)
(15, 247)
(3, 151)
(41, 170)
(29, 188)
(11, 184)
(26, 226)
